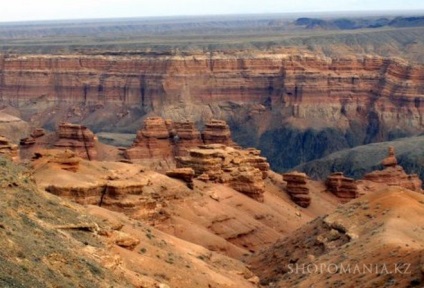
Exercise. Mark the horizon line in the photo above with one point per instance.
(390, 12)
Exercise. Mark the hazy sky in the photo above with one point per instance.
(18, 10)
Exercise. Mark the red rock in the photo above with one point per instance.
(152, 141)
(342, 186)
(314, 86)
(297, 189)
(390, 160)
(248, 180)
(185, 174)
(394, 175)
(27, 141)
(77, 138)
(67, 160)
(217, 132)
(186, 137)
(37, 132)
(234, 167)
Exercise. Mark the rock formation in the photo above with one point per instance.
(77, 138)
(8, 149)
(161, 139)
(185, 136)
(38, 132)
(243, 170)
(247, 180)
(152, 142)
(328, 101)
(12, 126)
(31, 140)
(217, 132)
(67, 160)
(297, 189)
(342, 186)
(185, 174)
(394, 175)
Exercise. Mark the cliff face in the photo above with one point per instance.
(274, 101)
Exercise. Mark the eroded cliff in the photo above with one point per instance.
(297, 105)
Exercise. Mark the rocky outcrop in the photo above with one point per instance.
(217, 131)
(185, 174)
(13, 127)
(247, 180)
(185, 136)
(294, 106)
(235, 167)
(394, 175)
(31, 140)
(77, 138)
(38, 132)
(8, 149)
(67, 160)
(341, 186)
(297, 188)
(390, 160)
(117, 195)
(152, 141)
(161, 139)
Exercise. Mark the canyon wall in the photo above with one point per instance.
(295, 107)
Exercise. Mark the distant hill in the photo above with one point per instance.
(359, 23)
(357, 161)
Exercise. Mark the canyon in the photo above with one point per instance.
(212, 152)
(293, 105)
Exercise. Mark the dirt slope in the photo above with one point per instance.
(373, 241)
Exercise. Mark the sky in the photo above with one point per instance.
(26, 10)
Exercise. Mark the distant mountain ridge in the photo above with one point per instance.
(359, 23)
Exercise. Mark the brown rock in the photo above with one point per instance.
(217, 131)
(37, 132)
(248, 180)
(77, 138)
(204, 160)
(185, 174)
(390, 160)
(185, 137)
(342, 186)
(297, 189)
(8, 149)
(394, 175)
(124, 240)
(152, 141)
(27, 141)
(315, 87)
(67, 160)
(243, 170)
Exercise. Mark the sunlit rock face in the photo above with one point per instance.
(294, 104)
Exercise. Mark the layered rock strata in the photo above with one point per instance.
(276, 100)
(243, 170)
(297, 188)
(217, 132)
(185, 136)
(67, 160)
(31, 140)
(185, 174)
(152, 141)
(8, 149)
(394, 175)
(161, 139)
(11, 126)
(77, 138)
(341, 186)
